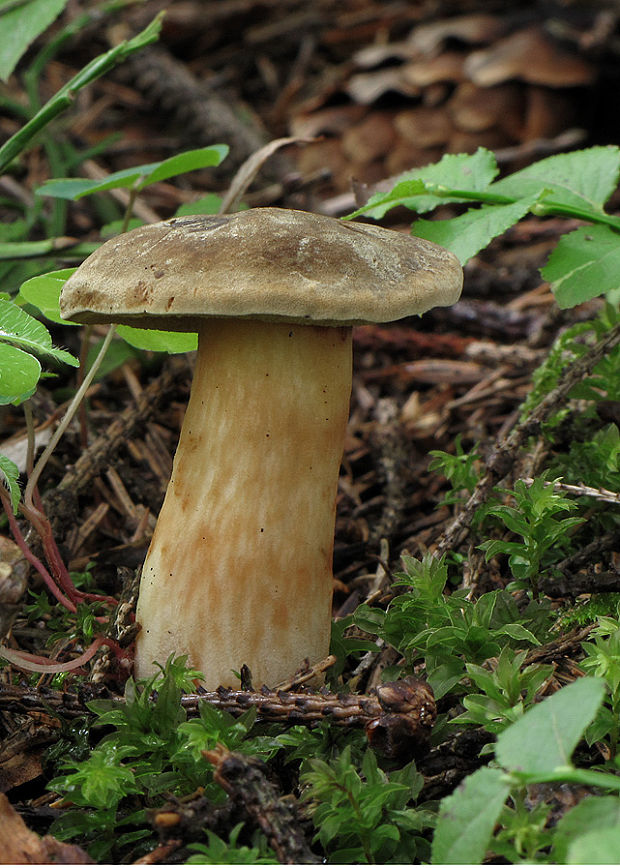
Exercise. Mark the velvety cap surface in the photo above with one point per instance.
(264, 263)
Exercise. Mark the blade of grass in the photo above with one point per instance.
(63, 99)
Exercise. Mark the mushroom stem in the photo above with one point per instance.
(240, 566)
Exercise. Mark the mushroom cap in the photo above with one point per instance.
(263, 263)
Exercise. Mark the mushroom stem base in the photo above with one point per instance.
(239, 568)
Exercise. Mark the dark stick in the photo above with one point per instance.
(398, 716)
(245, 780)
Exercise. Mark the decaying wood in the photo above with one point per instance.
(20, 846)
(122, 627)
(245, 780)
(398, 716)
(565, 646)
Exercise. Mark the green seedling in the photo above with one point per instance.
(447, 631)
(461, 469)
(366, 816)
(219, 852)
(151, 750)
(506, 691)
(533, 518)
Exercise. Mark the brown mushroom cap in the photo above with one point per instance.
(263, 263)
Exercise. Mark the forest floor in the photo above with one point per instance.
(363, 91)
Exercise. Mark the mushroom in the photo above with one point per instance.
(239, 570)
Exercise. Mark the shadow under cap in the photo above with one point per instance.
(264, 263)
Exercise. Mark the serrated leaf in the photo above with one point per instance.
(19, 327)
(137, 177)
(584, 264)
(467, 818)
(43, 291)
(544, 739)
(472, 231)
(472, 172)
(22, 330)
(19, 374)
(24, 23)
(158, 341)
(579, 178)
(9, 474)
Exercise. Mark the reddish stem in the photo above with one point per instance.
(32, 558)
(35, 663)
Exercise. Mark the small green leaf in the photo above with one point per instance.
(137, 177)
(23, 23)
(43, 291)
(467, 818)
(19, 327)
(584, 264)
(518, 632)
(9, 474)
(209, 204)
(19, 374)
(543, 740)
(158, 341)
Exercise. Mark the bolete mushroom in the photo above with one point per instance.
(239, 569)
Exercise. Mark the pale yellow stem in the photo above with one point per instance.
(239, 569)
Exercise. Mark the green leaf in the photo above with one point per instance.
(158, 341)
(209, 204)
(467, 818)
(186, 162)
(9, 474)
(137, 177)
(579, 179)
(593, 814)
(64, 98)
(43, 291)
(518, 632)
(584, 264)
(22, 330)
(23, 22)
(425, 188)
(19, 374)
(472, 231)
(601, 847)
(543, 740)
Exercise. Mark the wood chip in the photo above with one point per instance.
(20, 846)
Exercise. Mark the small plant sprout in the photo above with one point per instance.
(239, 568)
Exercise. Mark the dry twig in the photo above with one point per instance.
(503, 456)
(245, 780)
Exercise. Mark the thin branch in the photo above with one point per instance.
(504, 455)
(64, 423)
(582, 490)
